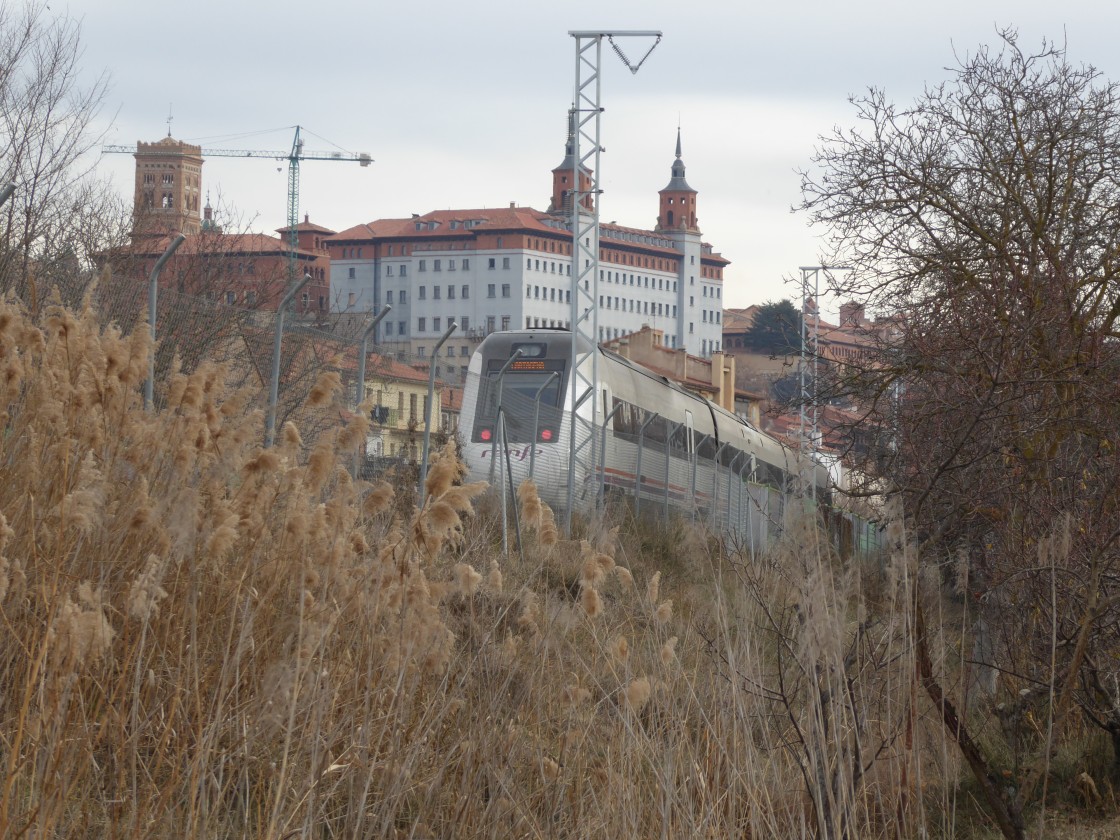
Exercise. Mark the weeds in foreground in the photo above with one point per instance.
(207, 639)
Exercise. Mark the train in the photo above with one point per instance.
(657, 443)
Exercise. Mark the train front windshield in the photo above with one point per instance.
(531, 393)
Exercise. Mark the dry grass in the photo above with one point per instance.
(202, 638)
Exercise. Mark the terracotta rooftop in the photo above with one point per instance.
(219, 244)
(492, 219)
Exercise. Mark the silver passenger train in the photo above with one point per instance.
(662, 445)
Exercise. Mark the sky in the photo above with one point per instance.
(464, 105)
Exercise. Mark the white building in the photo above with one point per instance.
(506, 268)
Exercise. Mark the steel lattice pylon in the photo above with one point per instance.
(584, 220)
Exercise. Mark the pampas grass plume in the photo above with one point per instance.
(653, 588)
(663, 612)
(494, 578)
(467, 579)
(550, 770)
(637, 693)
(145, 593)
(576, 695)
(669, 651)
(328, 383)
(289, 435)
(620, 649)
(591, 601)
(378, 499)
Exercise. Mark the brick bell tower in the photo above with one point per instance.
(677, 209)
(168, 187)
(562, 178)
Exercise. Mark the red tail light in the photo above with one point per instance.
(485, 434)
(546, 434)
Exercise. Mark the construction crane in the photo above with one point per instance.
(297, 154)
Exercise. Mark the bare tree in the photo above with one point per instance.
(984, 220)
(46, 127)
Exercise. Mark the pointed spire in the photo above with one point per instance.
(570, 142)
(677, 183)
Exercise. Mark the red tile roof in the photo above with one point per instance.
(493, 219)
(249, 244)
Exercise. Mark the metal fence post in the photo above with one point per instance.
(603, 455)
(153, 285)
(537, 420)
(360, 391)
(638, 465)
(669, 432)
(360, 382)
(274, 383)
(428, 407)
(715, 487)
(730, 479)
(501, 373)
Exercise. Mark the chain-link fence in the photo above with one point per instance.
(195, 329)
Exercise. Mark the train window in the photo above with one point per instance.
(657, 430)
(706, 447)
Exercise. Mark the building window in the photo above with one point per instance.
(464, 323)
(451, 265)
(691, 327)
(350, 273)
(401, 327)
(351, 299)
(505, 290)
(464, 350)
(168, 179)
(489, 323)
(437, 265)
(389, 296)
(490, 290)
(388, 271)
(423, 292)
(423, 265)
(451, 293)
(401, 296)
(490, 263)
(450, 351)
(421, 325)
(505, 262)
(505, 322)
(404, 271)
(436, 292)
(388, 328)
(466, 265)
(528, 322)
(465, 292)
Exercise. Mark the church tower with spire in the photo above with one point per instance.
(677, 209)
(561, 204)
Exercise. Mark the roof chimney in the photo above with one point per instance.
(512, 205)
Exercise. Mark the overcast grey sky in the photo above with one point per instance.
(463, 105)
